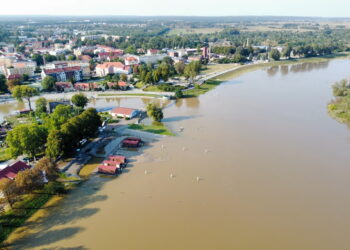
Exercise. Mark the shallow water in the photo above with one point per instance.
(273, 172)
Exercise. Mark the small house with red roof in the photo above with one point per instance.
(122, 112)
(11, 171)
(64, 86)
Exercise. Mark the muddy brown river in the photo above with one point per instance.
(259, 165)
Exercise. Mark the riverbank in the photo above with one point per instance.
(236, 71)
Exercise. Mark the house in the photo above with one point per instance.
(110, 55)
(80, 86)
(11, 171)
(131, 60)
(124, 112)
(21, 68)
(119, 158)
(122, 85)
(14, 77)
(104, 69)
(85, 66)
(153, 51)
(65, 73)
(64, 86)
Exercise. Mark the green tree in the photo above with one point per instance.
(154, 112)
(178, 94)
(26, 139)
(41, 105)
(275, 54)
(54, 145)
(123, 77)
(80, 100)
(3, 86)
(60, 115)
(180, 67)
(48, 167)
(9, 190)
(48, 83)
(38, 59)
(24, 92)
(29, 180)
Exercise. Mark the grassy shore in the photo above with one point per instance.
(90, 167)
(155, 128)
(28, 206)
(240, 70)
(340, 110)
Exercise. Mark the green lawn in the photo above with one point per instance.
(139, 85)
(201, 89)
(156, 128)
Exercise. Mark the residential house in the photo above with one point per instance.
(64, 74)
(131, 60)
(104, 69)
(11, 171)
(22, 68)
(124, 112)
(122, 85)
(64, 86)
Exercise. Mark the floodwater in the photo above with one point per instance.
(273, 173)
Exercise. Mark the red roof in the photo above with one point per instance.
(118, 158)
(65, 69)
(11, 171)
(123, 84)
(123, 111)
(14, 76)
(107, 169)
(64, 84)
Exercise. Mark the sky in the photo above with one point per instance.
(320, 8)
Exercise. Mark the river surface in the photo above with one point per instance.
(273, 168)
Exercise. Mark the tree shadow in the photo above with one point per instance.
(48, 237)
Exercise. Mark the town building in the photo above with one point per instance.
(64, 86)
(124, 112)
(64, 74)
(104, 69)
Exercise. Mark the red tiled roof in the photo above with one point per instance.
(64, 84)
(65, 69)
(123, 111)
(107, 169)
(118, 158)
(123, 84)
(111, 64)
(11, 171)
(14, 76)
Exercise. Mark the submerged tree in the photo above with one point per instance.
(24, 92)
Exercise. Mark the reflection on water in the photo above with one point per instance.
(296, 68)
(273, 169)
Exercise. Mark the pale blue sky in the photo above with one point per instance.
(327, 8)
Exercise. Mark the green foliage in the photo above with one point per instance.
(54, 144)
(154, 112)
(192, 69)
(179, 94)
(275, 54)
(341, 88)
(155, 128)
(80, 100)
(26, 139)
(60, 115)
(41, 105)
(3, 85)
(48, 83)
(24, 92)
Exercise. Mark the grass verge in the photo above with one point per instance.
(202, 89)
(155, 128)
(89, 168)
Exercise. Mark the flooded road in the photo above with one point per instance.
(259, 165)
